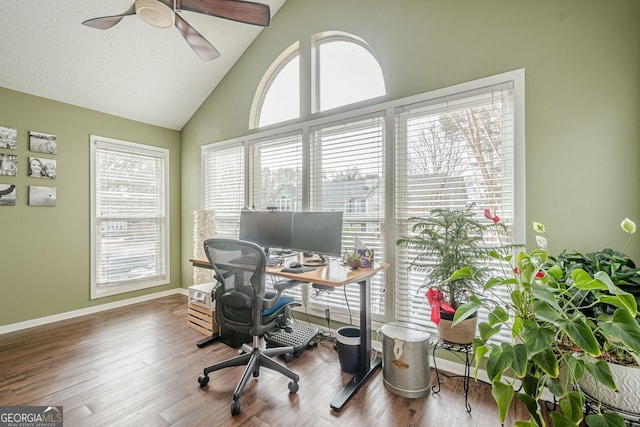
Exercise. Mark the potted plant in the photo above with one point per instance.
(619, 267)
(623, 362)
(446, 241)
(554, 343)
(354, 260)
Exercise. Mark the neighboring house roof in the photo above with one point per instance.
(333, 191)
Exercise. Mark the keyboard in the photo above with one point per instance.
(297, 270)
(252, 260)
(274, 262)
(245, 259)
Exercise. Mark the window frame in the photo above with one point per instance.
(125, 286)
(330, 37)
(293, 52)
(210, 149)
(284, 59)
(516, 77)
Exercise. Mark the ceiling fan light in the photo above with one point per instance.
(155, 13)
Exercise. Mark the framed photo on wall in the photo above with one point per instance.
(8, 164)
(42, 168)
(42, 196)
(7, 195)
(8, 137)
(43, 143)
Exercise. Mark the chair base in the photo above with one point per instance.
(254, 358)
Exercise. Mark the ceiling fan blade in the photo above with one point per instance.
(247, 12)
(199, 44)
(106, 22)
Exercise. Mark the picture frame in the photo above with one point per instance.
(8, 138)
(8, 164)
(43, 143)
(42, 196)
(42, 168)
(7, 195)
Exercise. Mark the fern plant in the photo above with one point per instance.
(446, 241)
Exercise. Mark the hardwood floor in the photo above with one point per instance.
(138, 366)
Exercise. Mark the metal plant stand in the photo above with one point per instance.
(464, 352)
(591, 405)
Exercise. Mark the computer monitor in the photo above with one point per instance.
(270, 230)
(317, 232)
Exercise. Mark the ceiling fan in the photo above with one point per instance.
(163, 14)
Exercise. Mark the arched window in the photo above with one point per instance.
(280, 100)
(344, 70)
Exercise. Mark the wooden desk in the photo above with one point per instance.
(334, 274)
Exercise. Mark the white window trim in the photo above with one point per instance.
(269, 76)
(328, 37)
(100, 292)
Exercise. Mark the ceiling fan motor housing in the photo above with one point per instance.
(155, 13)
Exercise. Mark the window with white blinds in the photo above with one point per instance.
(275, 163)
(381, 165)
(347, 174)
(130, 216)
(451, 152)
(223, 185)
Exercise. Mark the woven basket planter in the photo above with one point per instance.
(462, 333)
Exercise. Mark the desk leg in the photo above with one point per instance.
(367, 368)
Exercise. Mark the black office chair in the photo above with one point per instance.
(243, 305)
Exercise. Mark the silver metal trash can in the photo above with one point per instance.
(405, 360)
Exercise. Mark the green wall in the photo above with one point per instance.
(582, 76)
(45, 251)
(582, 65)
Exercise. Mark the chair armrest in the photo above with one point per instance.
(270, 301)
(283, 285)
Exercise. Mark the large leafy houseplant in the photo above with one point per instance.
(446, 241)
(619, 267)
(551, 334)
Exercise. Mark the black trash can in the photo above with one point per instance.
(349, 349)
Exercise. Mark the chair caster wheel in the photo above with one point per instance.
(235, 407)
(288, 357)
(203, 380)
(256, 373)
(293, 387)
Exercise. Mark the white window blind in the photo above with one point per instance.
(450, 153)
(276, 172)
(381, 165)
(347, 174)
(223, 186)
(130, 218)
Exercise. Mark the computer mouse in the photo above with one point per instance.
(295, 264)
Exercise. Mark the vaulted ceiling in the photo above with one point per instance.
(132, 70)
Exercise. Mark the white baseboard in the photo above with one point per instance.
(13, 327)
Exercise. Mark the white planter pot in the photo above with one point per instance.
(627, 379)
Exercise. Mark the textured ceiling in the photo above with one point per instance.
(132, 70)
